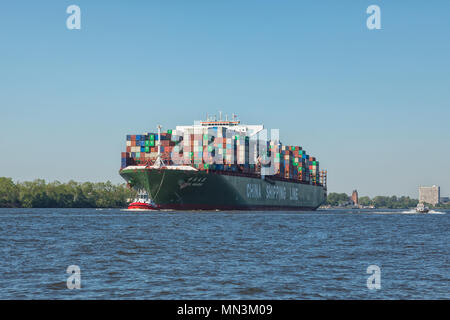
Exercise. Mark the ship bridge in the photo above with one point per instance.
(213, 122)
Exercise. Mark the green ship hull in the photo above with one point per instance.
(201, 190)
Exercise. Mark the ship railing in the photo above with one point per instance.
(234, 173)
(258, 176)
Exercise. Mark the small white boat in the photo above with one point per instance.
(421, 208)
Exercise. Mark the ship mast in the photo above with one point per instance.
(159, 163)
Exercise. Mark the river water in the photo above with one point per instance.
(223, 255)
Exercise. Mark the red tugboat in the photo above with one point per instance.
(142, 202)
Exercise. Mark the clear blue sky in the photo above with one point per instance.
(373, 106)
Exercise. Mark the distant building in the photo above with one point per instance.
(431, 195)
(445, 199)
(355, 197)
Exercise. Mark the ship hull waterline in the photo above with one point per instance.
(201, 190)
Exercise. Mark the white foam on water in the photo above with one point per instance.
(412, 211)
(436, 212)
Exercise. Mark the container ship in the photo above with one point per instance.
(222, 165)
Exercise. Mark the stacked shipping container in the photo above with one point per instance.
(142, 149)
(220, 149)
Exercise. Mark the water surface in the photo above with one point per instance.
(223, 255)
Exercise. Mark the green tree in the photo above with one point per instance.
(335, 199)
(33, 194)
(39, 194)
(365, 201)
(380, 202)
(9, 193)
(394, 202)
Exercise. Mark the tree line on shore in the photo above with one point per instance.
(393, 202)
(40, 194)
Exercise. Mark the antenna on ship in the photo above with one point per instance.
(159, 163)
